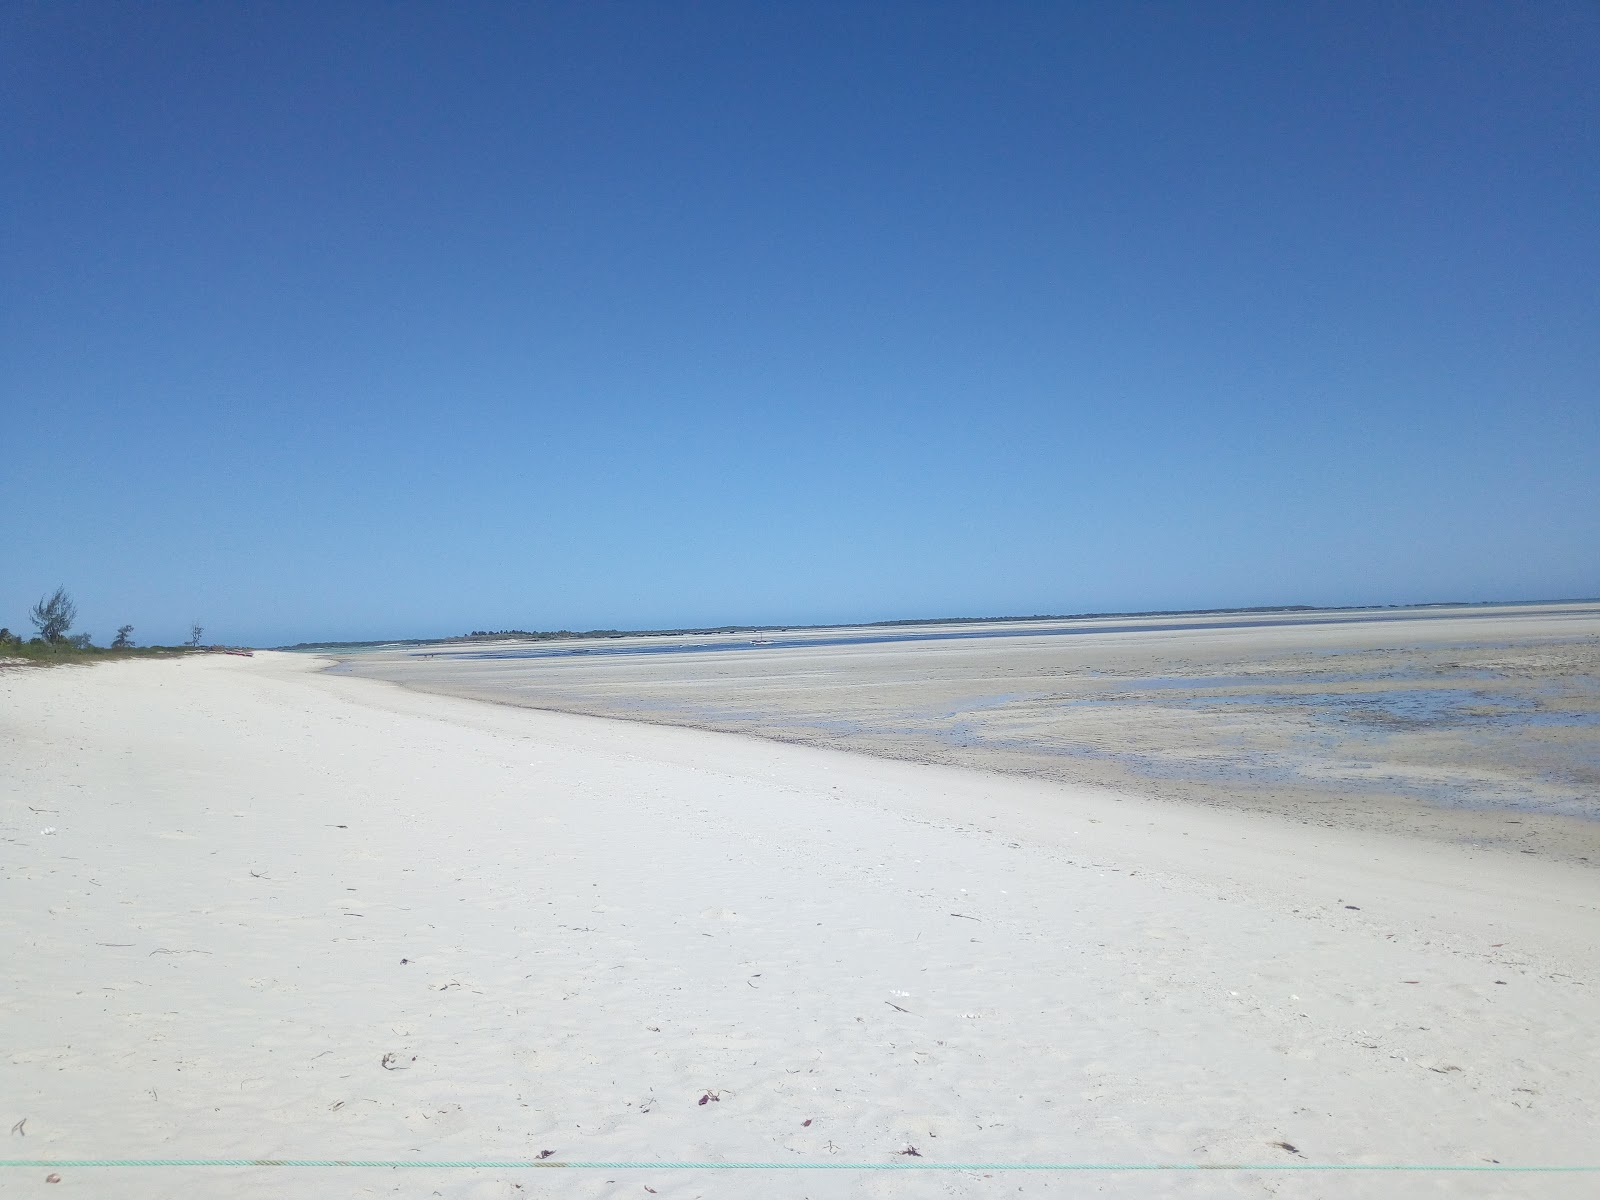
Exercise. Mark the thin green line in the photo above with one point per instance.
(548, 1164)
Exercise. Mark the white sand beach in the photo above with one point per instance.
(251, 910)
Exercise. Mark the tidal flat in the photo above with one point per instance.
(1471, 724)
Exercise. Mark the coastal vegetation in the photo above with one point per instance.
(55, 643)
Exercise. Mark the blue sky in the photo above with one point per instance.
(356, 321)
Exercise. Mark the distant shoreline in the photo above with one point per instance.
(908, 622)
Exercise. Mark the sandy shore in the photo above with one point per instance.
(285, 914)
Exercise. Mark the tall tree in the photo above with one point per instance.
(54, 615)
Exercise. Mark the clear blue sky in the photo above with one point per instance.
(355, 321)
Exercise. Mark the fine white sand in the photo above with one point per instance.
(266, 887)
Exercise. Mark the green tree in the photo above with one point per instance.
(54, 615)
(123, 641)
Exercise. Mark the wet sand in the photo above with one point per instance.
(1473, 725)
